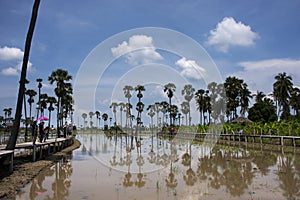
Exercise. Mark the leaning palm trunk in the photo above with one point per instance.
(14, 133)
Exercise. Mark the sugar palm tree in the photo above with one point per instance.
(84, 116)
(51, 101)
(121, 105)
(151, 113)
(97, 113)
(114, 106)
(282, 89)
(127, 92)
(105, 118)
(164, 108)
(188, 93)
(31, 94)
(91, 114)
(40, 85)
(200, 102)
(170, 89)
(140, 105)
(43, 103)
(185, 108)
(233, 87)
(63, 88)
(14, 134)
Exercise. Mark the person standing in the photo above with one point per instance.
(41, 131)
(34, 131)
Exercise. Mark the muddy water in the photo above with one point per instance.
(154, 168)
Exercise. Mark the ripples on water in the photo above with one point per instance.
(145, 167)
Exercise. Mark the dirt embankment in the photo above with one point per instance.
(25, 170)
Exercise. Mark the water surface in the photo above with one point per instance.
(146, 167)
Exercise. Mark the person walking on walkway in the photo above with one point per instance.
(41, 132)
(34, 131)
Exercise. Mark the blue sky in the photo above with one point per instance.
(253, 40)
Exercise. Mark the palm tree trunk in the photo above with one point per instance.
(14, 134)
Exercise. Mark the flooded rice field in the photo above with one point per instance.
(151, 167)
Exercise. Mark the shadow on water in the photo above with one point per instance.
(155, 167)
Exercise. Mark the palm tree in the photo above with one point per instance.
(188, 93)
(43, 103)
(164, 108)
(245, 96)
(200, 102)
(51, 101)
(14, 134)
(31, 94)
(62, 90)
(233, 87)
(140, 105)
(114, 106)
(259, 96)
(151, 113)
(105, 118)
(170, 89)
(40, 85)
(282, 89)
(84, 116)
(121, 105)
(185, 109)
(91, 114)
(295, 101)
(127, 92)
(97, 113)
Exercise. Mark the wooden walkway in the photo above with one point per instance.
(48, 147)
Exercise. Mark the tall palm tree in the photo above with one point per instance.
(31, 94)
(97, 113)
(259, 96)
(91, 114)
(114, 106)
(140, 105)
(233, 87)
(84, 116)
(121, 105)
(245, 96)
(282, 89)
(164, 108)
(157, 108)
(51, 101)
(170, 89)
(14, 134)
(200, 102)
(127, 92)
(295, 101)
(63, 88)
(185, 109)
(40, 85)
(151, 113)
(105, 118)
(188, 93)
(43, 103)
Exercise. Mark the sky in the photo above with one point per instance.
(107, 44)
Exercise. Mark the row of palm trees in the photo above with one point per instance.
(62, 101)
(218, 103)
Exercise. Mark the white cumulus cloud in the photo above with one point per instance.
(190, 69)
(14, 71)
(10, 53)
(138, 50)
(231, 33)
